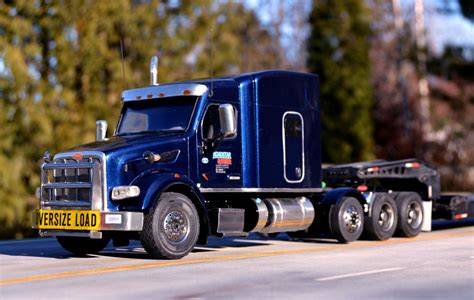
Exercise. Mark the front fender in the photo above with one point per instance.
(154, 184)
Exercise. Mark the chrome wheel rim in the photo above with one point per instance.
(351, 219)
(386, 217)
(414, 215)
(176, 227)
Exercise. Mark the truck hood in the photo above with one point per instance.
(128, 142)
(125, 162)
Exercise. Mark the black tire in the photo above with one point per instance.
(82, 245)
(410, 214)
(381, 222)
(171, 228)
(346, 220)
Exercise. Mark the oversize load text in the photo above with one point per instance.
(67, 219)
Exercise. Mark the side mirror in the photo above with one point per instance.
(100, 130)
(227, 120)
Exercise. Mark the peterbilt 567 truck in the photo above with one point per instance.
(224, 156)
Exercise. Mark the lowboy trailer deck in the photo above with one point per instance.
(402, 178)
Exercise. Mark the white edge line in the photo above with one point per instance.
(359, 274)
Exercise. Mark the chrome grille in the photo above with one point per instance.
(68, 182)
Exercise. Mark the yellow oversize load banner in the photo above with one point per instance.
(67, 219)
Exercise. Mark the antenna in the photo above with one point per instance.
(211, 92)
(123, 66)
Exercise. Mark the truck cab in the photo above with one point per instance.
(220, 156)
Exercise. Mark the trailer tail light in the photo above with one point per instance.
(460, 216)
(362, 188)
(373, 169)
(412, 165)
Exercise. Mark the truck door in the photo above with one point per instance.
(293, 147)
(219, 159)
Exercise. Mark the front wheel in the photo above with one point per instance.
(346, 220)
(82, 245)
(171, 228)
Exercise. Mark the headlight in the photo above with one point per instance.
(125, 191)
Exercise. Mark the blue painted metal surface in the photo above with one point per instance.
(256, 153)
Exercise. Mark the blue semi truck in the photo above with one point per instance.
(224, 156)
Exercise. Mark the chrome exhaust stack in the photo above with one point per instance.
(154, 70)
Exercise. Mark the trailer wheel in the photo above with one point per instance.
(82, 245)
(382, 220)
(346, 220)
(410, 214)
(171, 227)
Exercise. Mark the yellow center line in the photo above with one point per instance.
(161, 264)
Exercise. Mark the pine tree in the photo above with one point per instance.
(338, 53)
(61, 69)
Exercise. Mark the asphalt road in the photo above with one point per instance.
(435, 265)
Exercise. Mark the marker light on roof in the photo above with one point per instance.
(187, 92)
(77, 156)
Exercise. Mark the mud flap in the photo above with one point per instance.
(427, 211)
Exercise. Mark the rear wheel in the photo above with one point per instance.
(382, 220)
(410, 214)
(171, 228)
(82, 245)
(347, 220)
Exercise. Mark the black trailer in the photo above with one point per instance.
(406, 182)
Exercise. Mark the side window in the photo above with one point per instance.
(293, 147)
(211, 126)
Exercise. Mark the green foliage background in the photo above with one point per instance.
(61, 69)
(338, 50)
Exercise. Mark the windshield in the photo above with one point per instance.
(165, 114)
